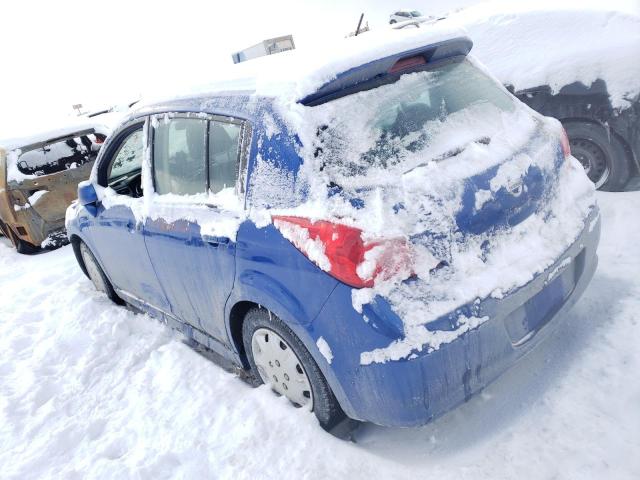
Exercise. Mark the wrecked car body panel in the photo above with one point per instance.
(38, 182)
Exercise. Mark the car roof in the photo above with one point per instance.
(63, 128)
(292, 76)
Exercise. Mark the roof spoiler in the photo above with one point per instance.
(385, 70)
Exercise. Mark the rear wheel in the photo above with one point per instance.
(279, 359)
(96, 274)
(601, 154)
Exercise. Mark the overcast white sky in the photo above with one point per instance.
(58, 53)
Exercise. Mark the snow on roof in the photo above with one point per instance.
(297, 73)
(557, 43)
(62, 127)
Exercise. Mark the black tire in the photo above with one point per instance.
(325, 405)
(21, 246)
(601, 153)
(93, 270)
(392, 22)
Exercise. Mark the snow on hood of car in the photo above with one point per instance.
(557, 43)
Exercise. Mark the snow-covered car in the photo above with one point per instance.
(378, 235)
(577, 64)
(39, 177)
(400, 16)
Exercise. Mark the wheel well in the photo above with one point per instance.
(236, 319)
(75, 243)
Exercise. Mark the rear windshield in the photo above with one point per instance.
(61, 155)
(423, 116)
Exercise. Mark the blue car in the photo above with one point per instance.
(378, 243)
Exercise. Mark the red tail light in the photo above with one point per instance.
(407, 63)
(340, 250)
(566, 147)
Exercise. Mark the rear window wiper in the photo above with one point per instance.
(452, 153)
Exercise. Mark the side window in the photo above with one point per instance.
(126, 165)
(179, 147)
(224, 147)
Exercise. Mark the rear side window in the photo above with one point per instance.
(193, 155)
(179, 156)
(224, 149)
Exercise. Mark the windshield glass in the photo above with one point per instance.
(423, 116)
(62, 155)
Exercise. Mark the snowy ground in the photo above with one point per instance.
(91, 390)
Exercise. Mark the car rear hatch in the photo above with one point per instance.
(435, 187)
(439, 153)
(43, 176)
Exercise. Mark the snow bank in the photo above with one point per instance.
(530, 44)
(91, 390)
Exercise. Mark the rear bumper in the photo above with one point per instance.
(37, 230)
(413, 391)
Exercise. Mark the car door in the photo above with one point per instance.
(116, 233)
(190, 236)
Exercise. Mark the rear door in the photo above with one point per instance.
(190, 236)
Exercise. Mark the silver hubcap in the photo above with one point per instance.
(92, 269)
(280, 368)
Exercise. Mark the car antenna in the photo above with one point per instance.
(359, 24)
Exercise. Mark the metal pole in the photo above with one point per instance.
(359, 23)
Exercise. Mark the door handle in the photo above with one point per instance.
(217, 241)
(134, 226)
